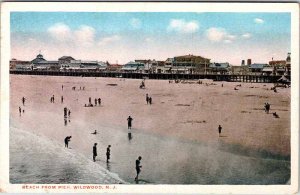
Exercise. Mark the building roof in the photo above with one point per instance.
(257, 66)
(219, 65)
(47, 62)
(190, 56)
(66, 58)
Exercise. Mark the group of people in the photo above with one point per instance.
(52, 99)
(148, 99)
(95, 154)
(74, 88)
(67, 112)
(97, 101)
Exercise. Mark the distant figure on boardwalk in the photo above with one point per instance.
(95, 132)
(67, 140)
(96, 101)
(129, 119)
(108, 153)
(147, 98)
(99, 101)
(94, 151)
(150, 100)
(138, 168)
(23, 101)
(62, 99)
(220, 130)
(20, 110)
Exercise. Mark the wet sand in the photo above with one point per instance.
(177, 132)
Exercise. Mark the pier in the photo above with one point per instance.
(161, 76)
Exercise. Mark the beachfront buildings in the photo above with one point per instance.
(190, 64)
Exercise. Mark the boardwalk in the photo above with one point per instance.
(215, 77)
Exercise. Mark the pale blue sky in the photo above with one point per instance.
(127, 36)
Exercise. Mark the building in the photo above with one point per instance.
(114, 67)
(190, 64)
(65, 60)
(257, 68)
(219, 68)
(39, 63)
(19, 64)
(238, 70)
(133, 67)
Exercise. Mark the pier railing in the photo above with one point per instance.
(162, 76)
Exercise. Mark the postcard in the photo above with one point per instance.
(158, 97)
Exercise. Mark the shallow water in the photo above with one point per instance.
(165, 161)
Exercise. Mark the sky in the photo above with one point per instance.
(120, 37)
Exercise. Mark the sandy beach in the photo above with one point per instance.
(179, 128)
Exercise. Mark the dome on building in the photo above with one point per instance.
(38, 58)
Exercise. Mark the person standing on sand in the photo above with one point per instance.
(138, 168)
(147, 98)
(69, 113)
(150, 100)
(67, 140)
(23, 101)
(96, 101)
(129, 119)
(108, 153)
(220, 129)
(62, 99)
(62, 87)
(94, 151)
(20, 110)
(53, 98)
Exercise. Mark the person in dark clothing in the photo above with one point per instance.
(69, 113)
(147, 98)
(96, 101)
(150, 100)
(65, 112)
(62, 99)
(95, 132)
(67, 140)
(23, 101)
(129, 122)
(53, 98)
(90, 100)
(99, 101)
(108, 153)
(62, 87)
(138, 168)
(220, 130)
(20, 110)
(94, 151)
